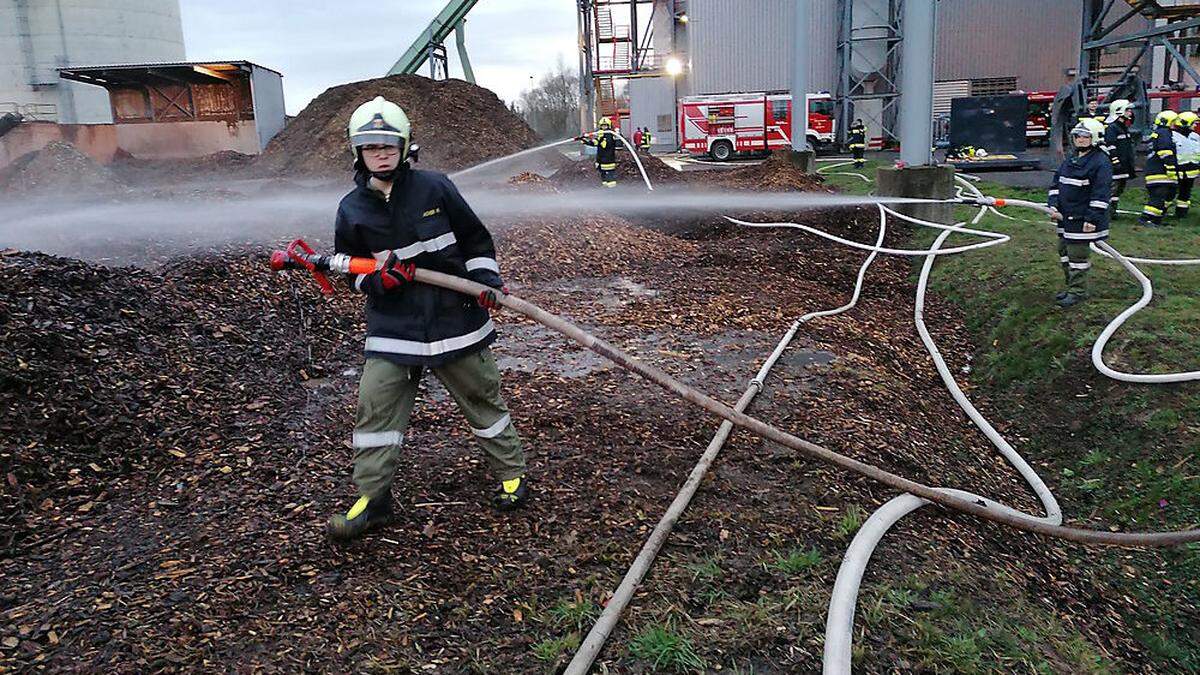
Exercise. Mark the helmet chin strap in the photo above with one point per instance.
(387, 176)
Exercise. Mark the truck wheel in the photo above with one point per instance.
(721, 151)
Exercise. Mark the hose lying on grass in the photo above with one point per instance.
(760, 428)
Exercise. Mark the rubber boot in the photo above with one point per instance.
(1060, 295)
(512, 494)
(366, 514)
(1070, 300)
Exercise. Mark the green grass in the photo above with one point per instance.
(551, 650)
(849, 522)
(942, 630)
(1117, 455)
(795, 561)
(574, 614)
(706, 570)
(665, 648)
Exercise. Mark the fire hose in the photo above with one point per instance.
(299, 255)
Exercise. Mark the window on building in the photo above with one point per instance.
(993, 86)
(665, 122)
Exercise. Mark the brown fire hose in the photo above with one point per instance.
(662, 379)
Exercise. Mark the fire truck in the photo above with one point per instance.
(723, 125)
(1037, 123)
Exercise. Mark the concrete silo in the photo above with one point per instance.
(39, 36)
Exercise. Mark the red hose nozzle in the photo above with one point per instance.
(280, 261)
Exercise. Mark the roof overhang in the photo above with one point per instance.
(194, 72)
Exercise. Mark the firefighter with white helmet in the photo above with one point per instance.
(1187, 152)
(606, 143)
(1079, 200)
(405, 217)
(1119, 143)
(1161, 178)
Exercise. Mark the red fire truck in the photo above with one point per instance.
(1037, 124)
(722, 125)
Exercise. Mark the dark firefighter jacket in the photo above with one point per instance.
(1160, 164)
(426, 221)
(856, 137)
(1119, 144)
(606, 143)
(1081, 190)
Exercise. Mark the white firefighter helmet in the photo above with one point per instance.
(1089, 126)
(380, 122)
(1117, 109)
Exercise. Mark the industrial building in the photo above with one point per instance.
(718, 46)
(37, 37)
(152, 104)
(172, 110)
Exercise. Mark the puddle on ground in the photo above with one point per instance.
(611, 293)
(531, 349)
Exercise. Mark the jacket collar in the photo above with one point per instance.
(362, 177)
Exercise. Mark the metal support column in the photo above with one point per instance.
(801, 46)
(916, 82)
(587, 87)
(460, 39)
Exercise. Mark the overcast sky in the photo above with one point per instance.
(318, 44)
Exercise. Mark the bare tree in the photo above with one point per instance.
(552, 107)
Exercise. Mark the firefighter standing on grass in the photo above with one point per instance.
(1187, 156)
(606, 143)
(856, 139)
(1161, 180)
(1079, 200)
(1119, 143)
(404, 217)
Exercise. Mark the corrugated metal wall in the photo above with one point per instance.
(1034, 40)
(745, 45)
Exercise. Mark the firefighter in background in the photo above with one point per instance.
(1187, 155)
(1119, 144)
(647, 139)
(1093, 111)
(1079, 203)
(1161, 181)
(637, 137)
(606, 143)
(856, 138)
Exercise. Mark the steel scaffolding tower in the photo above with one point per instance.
(612, 50)
(869, 39)
(1173, 26)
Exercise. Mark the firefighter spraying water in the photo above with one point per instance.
(401, 217)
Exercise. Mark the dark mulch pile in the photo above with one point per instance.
(583, 172)
(457, 125)
(58, 169)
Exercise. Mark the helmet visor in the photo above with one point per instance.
(377, 137)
